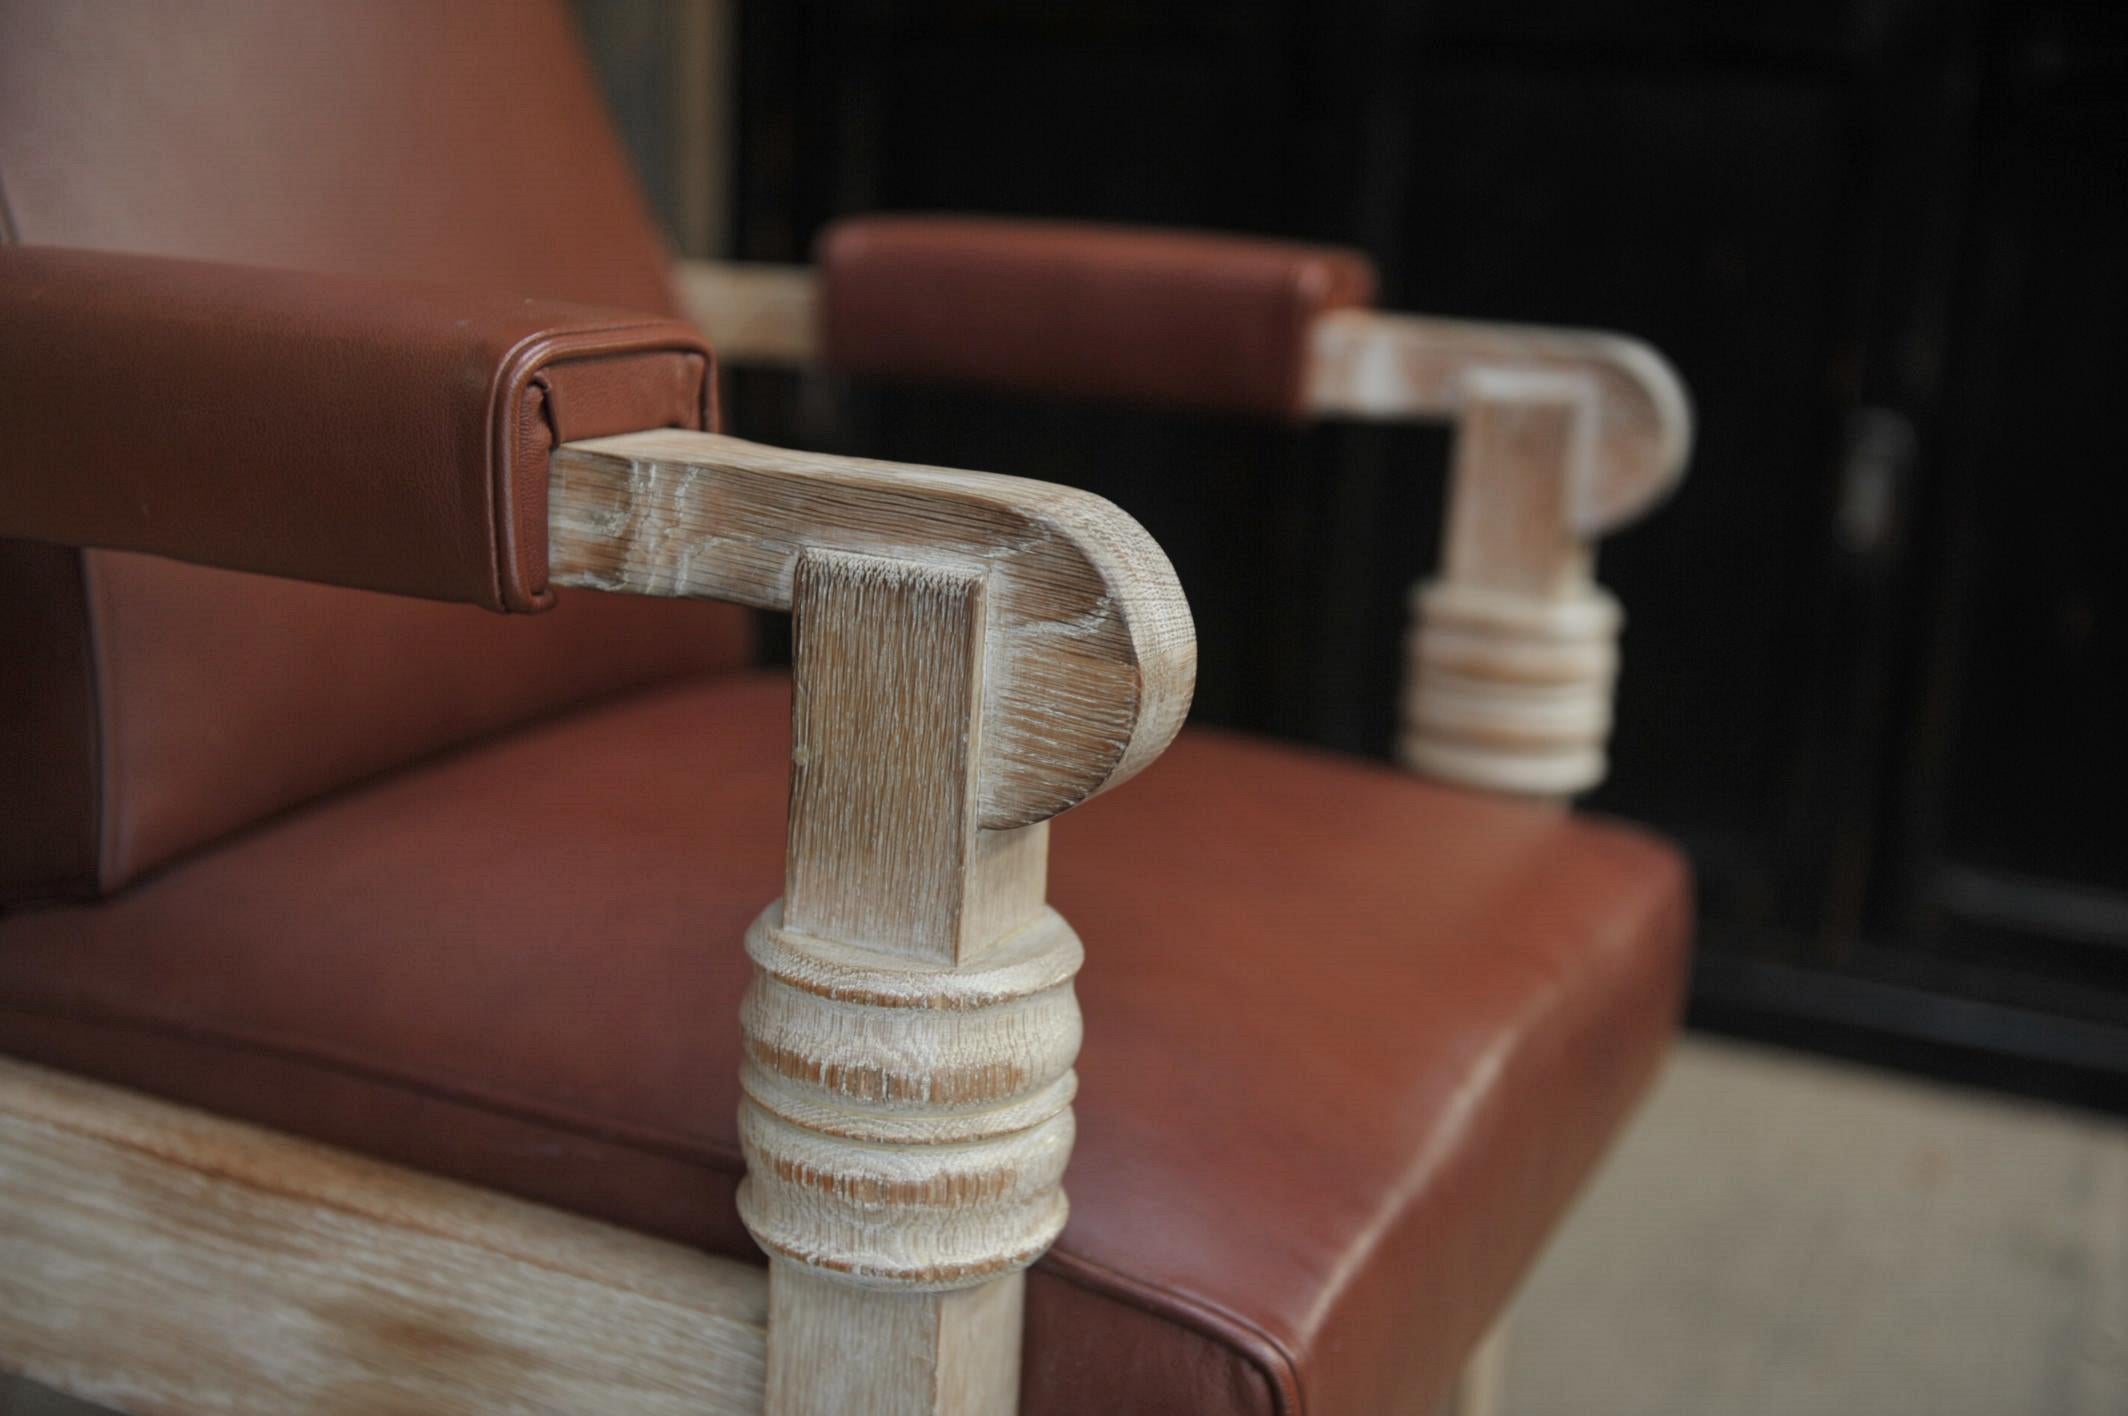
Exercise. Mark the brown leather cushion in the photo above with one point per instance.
(407, 443)
(1352, 1040)
(1080, 309)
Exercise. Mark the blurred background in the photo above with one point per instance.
(1877, 658)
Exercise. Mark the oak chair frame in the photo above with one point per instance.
(1563, 437)
(974, 654)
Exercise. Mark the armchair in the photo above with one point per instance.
(394, 1008)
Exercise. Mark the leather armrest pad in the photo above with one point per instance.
(356, 432)
(1146, 316)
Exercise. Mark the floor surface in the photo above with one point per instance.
(1783, 1236)
(1779, 1235)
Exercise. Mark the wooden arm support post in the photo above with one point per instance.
(1564, 435)
(974, 654)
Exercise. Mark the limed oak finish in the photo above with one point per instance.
(155, 1258)
(1563, 436)
(974, 654)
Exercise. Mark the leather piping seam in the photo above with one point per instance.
(513, 375)
(539, 381)
(1223, 1325)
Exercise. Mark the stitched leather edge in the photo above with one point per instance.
(519, 556)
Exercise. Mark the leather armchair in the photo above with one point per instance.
(397, 1010)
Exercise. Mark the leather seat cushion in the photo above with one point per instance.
(1352, 1040)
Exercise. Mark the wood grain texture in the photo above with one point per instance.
(1404, 368)
(974, 654)
(1512, 657)
(157, 1259)
(910, 1028)
(885, 841)
(1507, 691)
(904, 1354)
(1524, 441)
(908, 1128)
(885, 728)
(1089, 654)
(1364, 364)
(1563, 435)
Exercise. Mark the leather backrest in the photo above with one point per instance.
(148, 707)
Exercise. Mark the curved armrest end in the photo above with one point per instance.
(1089, 653)
(1650, 459)
(1395, 368)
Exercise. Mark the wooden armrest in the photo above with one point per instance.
(1362, 364)
(1563, 436)
(1408, 368)
(1089, 654)
(973, 655)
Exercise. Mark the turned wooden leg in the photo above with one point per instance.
(1513, 649)
(911, 1026)
(974, 655)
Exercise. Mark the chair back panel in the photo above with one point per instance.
(161, 705)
